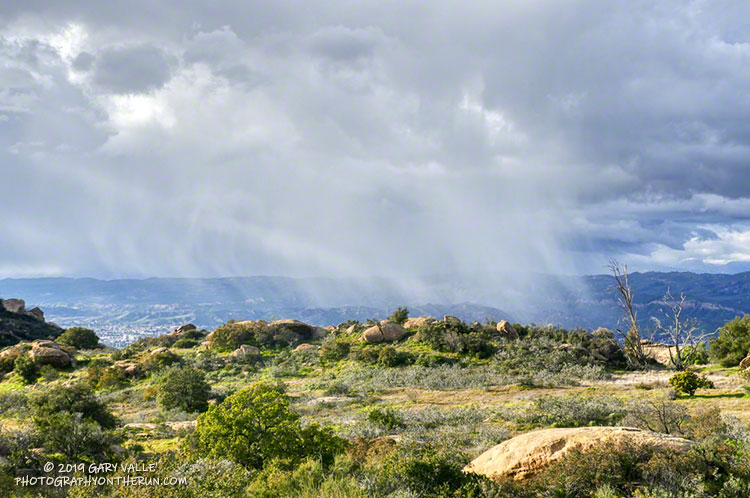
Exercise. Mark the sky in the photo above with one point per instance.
(390, 138)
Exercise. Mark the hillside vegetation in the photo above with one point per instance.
(393, 408)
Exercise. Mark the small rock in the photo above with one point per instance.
(245, 350)
(305, 347)
(507, 330)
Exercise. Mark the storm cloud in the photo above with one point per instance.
(386, 138)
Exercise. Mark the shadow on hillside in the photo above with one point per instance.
(714, 396)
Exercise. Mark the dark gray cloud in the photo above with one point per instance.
(83, 61)
(383, 138)
(131, 69)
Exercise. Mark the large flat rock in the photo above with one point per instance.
(528, 454)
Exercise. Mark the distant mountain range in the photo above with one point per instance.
(571, 301)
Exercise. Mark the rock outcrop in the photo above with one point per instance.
(452, 320)
(17, 324)
(528, 454)
(18, 306)
(50, 353)
(36, 313)
(182, 329)
(384, 332)
(14, 305)
(657, 351)
(745, 363)
(418, 322)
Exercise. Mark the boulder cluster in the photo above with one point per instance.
(43, 352)
(15, 305)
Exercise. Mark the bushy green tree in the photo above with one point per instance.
(400, 315)
(256, 425)
(75, 398)
(688, 382)
(25, 367)
(79, 338)
(184, 388)
(73, 422)
(733, 342)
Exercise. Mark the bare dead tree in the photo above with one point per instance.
(634, 354)
(684, 334)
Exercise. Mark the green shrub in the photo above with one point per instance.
(255, 425)
(389, 356)
(184, 388)
(367, 354)
(573, 411)
(79, 338)
(400, 315)
(424, 471)
(26, 369)
(688, 382)
(386, 418)
(49, 373)
(185, 343)
(157, 361)
(334, 349)
(77, 438)
(434, 360)
(75, 398)
(111, 378)
(231, 335)
(733, 342)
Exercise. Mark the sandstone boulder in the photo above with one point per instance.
(418, 322)
(305, 347)
(50, 353)
(745, 363)
(14, 305)
(507, 330)
(528, 454)
(384, 332)
(351, 329)
(9, 355)
(658, 352)
(245, 350)
(183, 328)
(130, 367)
(451, 320)
(319, 332)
